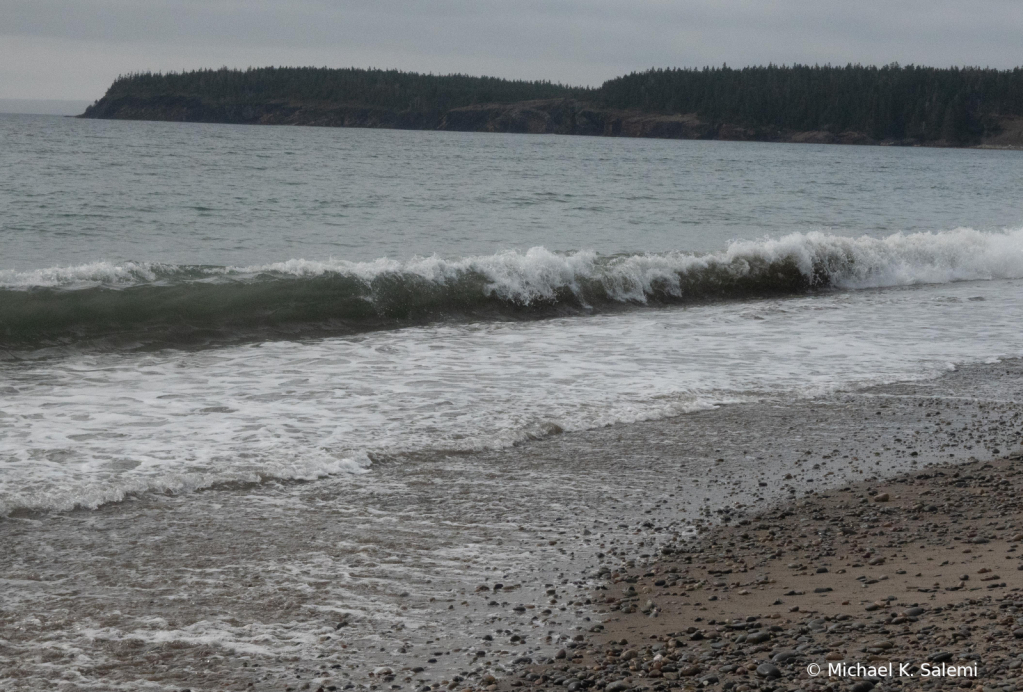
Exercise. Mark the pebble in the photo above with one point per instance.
(781, 552)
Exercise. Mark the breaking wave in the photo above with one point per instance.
(140, 303)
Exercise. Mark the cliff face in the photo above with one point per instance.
(569, 117)
(553, 116)
(195, 110)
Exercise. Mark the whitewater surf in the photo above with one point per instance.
(154, 304)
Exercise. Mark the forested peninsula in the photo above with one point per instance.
(854, 104)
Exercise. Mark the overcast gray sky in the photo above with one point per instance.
(73, 49)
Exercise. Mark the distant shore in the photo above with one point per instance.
(854, 104)
(921, 572)
(549, 116)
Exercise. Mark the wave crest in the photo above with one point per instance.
(153, 303)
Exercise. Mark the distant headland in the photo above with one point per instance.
(911, 105)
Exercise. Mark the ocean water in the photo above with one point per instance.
(426, 349)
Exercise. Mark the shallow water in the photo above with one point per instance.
(87, 429)
(249, 584)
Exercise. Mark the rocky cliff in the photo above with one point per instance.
(552, 116)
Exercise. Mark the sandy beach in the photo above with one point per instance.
(916, 578)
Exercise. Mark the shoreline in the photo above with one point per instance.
(880, 572)
(329, 583)
(551, 116)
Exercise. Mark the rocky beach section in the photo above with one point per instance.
(917, 578)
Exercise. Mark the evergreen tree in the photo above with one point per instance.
(924, 104)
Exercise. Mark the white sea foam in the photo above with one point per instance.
(862, 262)
(99, 480)
(539, 274)
(900, 259)
(91, 428)
(81, 276)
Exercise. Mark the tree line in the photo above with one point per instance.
(956, 105)
(392, 89)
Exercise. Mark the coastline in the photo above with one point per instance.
(550, 116)
(878, 582)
